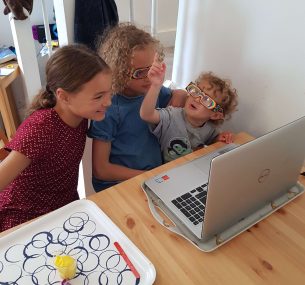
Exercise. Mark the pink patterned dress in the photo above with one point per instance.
(50, 181)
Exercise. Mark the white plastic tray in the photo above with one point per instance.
(81, 230)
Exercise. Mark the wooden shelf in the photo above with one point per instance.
(7, 103)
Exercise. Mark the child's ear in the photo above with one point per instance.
(217, 116)
(62, 95)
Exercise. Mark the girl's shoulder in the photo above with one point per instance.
(34, 135)
(44, 120)
(41, 115)
(36, 118)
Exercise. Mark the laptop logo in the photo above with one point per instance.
(162, 178)
(264, 175)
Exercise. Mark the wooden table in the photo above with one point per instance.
(7, 104)
(271, 252)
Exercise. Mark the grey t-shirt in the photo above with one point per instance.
(177, 137)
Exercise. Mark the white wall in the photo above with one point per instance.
(259, 44)
(166, 17)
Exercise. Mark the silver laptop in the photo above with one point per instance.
(215, 192)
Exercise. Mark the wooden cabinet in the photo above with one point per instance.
(7, 104)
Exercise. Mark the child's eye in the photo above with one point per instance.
(98, 97)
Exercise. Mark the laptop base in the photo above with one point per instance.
(208, 244)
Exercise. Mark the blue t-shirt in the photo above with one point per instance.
(132, 143)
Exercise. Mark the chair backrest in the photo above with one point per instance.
(3, 142)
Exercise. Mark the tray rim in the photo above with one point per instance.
(114, 231)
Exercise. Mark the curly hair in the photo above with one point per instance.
(229, 94)
(116, 47)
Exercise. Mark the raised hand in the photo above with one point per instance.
(156, 72)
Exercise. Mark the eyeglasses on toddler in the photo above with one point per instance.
(204, 99)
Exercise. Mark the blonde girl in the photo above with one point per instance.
(123, 146)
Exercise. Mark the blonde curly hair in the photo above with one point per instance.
(229, 94)
(116, 48)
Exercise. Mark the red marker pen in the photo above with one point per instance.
(127, 260)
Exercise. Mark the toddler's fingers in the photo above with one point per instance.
(157, 65)
(157, 57)
(229, 138)
(152, 72)
(157, 69)
(223, 139)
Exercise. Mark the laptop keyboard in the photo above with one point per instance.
(192, 204)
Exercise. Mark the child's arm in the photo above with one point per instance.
(11, 167)
(156, 75)
(103, 169)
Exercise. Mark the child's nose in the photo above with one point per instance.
(198, 98)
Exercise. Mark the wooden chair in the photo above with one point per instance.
(3, 142)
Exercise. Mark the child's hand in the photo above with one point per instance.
(156, 73)
(226, 137)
